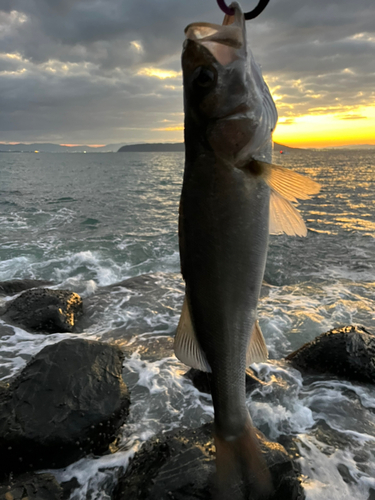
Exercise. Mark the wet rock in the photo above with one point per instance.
(180, 465)
(5, 330)
(347, 352)
(32, 487)
(290, 444)
(202, 380)
(69, 401)
(12, 287)
(44, 310)
(68, 487)
(4, 386)
(345, 474)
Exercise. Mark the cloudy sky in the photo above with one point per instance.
(108, 71)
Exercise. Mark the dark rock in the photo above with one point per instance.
(32, 487)
(44, 310)
(290, 444)
(372, 494)
(152, 348)
(345, 474)
(180, 465)
(5, 330)
(347, 352)
(4, 386)
(202, 380)
(68, 487)
(69, 401)
(12, 287)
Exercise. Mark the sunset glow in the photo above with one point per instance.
(113, 79)
(162, 74)
(327, 130)
(356, 127)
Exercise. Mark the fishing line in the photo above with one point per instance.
(248, 15)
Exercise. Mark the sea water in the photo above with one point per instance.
(89, 221)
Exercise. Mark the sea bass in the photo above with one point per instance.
(232, 198)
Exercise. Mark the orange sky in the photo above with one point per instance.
(327, 130)
(318, 127)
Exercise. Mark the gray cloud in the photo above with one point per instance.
(72, 69)
(353, 117)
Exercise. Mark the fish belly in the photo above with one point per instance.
(223, 244)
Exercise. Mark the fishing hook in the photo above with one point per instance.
(248, 15)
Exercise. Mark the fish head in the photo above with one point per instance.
(224, 89)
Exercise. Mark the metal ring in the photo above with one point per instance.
(258, 10)
(248, 15)
(224, 7)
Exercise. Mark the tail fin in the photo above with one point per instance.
(240, 468)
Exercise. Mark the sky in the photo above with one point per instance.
(109, 71)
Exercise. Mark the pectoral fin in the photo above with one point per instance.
(289, 184)
(284, 217)
(257, 350)
(286, 188)
(186, 345)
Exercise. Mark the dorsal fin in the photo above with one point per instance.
(257, 350)
(186, 345)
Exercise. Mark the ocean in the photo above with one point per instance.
(89, 221)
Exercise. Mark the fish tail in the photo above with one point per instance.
(240, 468)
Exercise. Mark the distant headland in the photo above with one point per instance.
(157, 147)
(153, 147)
(175, 146)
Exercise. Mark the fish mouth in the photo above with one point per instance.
(227, 42)
(232, 36)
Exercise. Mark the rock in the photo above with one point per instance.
(202, 380)
(32, 487)
(347, 352)
(5, 331)
(345, 474)
(69, 486)
(69, 401)
(180, 465)
(44, 310)
(4, 387)
(12, 287)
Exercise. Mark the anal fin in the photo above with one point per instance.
(186, 345)
(257, 350)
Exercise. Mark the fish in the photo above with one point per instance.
(232, 198)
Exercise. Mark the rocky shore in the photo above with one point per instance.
(71, 399)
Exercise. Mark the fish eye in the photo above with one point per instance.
(204, 77)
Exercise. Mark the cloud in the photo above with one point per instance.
(353, 117)
(287, 121)
(109, 70)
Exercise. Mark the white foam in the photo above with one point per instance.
(322, 478)
(11, 268)
(278, 405)
(96, 476)
(18, 348)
